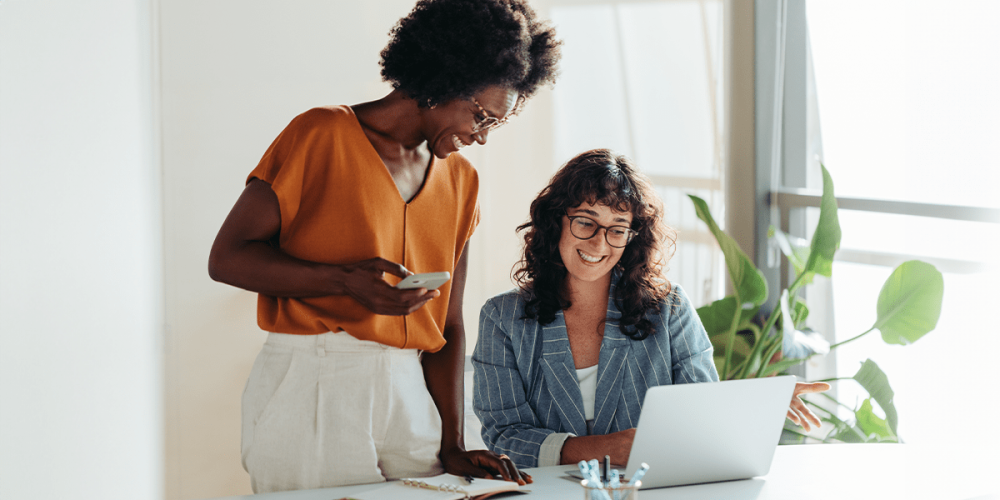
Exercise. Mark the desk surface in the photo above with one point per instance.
(814, 472)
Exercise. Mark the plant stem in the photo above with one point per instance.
(771, 321)
(838, 344)
(818, 407)
(831, 398)
(731, 336)
(796, 284)
(779, 341)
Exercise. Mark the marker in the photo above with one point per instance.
(615, 483)
(638, 474)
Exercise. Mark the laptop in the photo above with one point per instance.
(708, 432)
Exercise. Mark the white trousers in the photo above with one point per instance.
(331, 410)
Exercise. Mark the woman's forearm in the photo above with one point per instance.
(444, 372)
(244, 253)
(259, 267)
(618, 445)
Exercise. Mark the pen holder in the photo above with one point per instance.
(623, 492)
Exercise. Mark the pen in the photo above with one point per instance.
(605, 469)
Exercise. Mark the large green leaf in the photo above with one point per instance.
(741, 350)
(870, 423)
(740, 345)
(874, 380)
(718, 316)
(748, 281)
(909, 304)
(826, 239)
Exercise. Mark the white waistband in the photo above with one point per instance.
(332, 341)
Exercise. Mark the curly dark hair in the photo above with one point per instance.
(598, 177)
(448, 49)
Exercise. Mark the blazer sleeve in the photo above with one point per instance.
(499, 399)
(691, 359)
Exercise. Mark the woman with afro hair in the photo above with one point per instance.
(563, 362)
(360, 381)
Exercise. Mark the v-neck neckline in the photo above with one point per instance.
(385, 169)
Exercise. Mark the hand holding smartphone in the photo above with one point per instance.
(430, 281)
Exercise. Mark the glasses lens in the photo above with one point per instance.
(488, 123)
(617, 236)
(582, 227)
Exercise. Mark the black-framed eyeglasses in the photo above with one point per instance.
(584, 228)
(488, 123)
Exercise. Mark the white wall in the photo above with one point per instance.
(80, 397)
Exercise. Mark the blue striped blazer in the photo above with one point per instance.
(525, 386)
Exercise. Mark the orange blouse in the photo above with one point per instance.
(339, 205)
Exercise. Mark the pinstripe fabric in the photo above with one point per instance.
(525, 385)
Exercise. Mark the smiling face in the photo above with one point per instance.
(591, 259)
(451, 126)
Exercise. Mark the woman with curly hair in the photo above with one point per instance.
(360, 381)
(564, 361)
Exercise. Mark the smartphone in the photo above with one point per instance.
(430, 281)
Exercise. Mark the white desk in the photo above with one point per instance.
(812, 472)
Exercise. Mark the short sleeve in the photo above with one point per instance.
(283, 168)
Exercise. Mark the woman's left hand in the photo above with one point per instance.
(797, 410)
(482, 463)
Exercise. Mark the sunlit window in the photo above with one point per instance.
(906, 96)
(644, 79)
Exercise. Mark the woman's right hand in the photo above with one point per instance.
(365, 282)
(618, 445)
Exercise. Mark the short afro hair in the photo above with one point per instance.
(448, 49)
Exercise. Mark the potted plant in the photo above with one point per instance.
(749, 342)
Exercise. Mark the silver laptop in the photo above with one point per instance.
(708, 432)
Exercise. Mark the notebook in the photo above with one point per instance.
(702, 433)
(443, 487)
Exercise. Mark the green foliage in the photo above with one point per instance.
(908, 308)
(826, 239)
(748, 281)
(720, 314)
(910, 302)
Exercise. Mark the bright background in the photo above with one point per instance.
(127, 128)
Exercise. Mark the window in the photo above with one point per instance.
(645, 79)
(898, 100)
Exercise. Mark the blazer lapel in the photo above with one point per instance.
(610, 368)
(560, 376)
